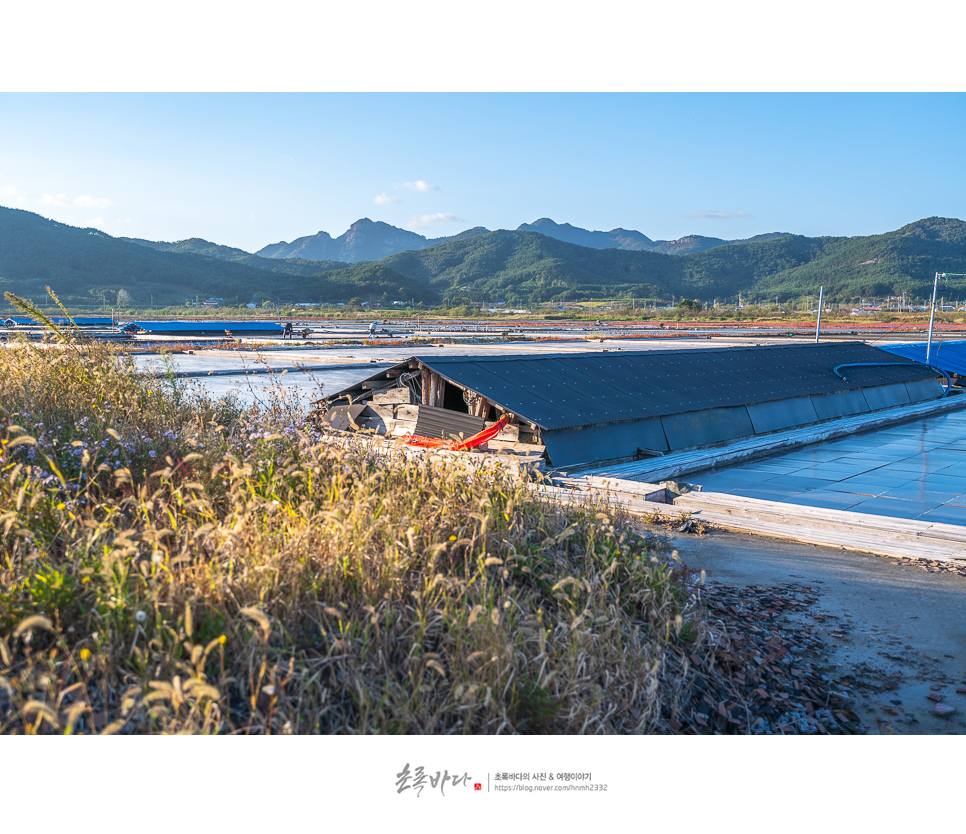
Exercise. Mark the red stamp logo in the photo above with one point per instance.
(477, 786)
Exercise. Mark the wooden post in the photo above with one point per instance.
(424, 395)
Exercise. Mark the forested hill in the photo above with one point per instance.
(198, 246)
(366, 240)
(526, 267)
(82, 265)
(521, 267)
(631, 239)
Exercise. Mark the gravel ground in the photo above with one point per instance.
(763, 679)
(815, 640)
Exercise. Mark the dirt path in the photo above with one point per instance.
(893, 634)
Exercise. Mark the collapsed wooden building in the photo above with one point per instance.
(582, 408)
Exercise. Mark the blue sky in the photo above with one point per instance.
(247, 170)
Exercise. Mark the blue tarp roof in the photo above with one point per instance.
(948, 356)
(209, 326)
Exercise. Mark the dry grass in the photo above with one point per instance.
(173, 564)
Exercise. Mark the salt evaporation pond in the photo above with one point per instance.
(306, 385)
(915, 470)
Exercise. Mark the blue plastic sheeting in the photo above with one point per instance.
(949, 356)
(210, 326)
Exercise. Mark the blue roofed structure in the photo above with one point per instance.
(208, 327)
(947, 356)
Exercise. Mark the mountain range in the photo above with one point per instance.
(521, 266)
(630, 239)
(367, 240)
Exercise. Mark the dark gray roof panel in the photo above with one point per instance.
(580, 444)
(563, 390)
(847, 403)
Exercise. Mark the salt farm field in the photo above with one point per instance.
(209, 709)
(913, 470)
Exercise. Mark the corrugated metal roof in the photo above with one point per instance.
(563, 390)
(949, 356)
(443, 423)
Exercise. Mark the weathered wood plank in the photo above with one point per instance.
(790, 522)
(509, 445)
(393, 395)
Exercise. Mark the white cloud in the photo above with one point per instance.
(81, 201)
(55, 200)
(86, 201)
(383, 199)
(429, 219)
(420, 185)
(714, 214)
(95, 222)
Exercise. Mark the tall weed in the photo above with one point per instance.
(173, 564)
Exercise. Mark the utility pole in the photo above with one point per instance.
(932, 318)
(818, 324)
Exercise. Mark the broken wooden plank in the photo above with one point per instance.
(393, 395)
(510, 446)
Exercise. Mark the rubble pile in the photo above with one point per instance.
(762, 678)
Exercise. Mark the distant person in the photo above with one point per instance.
(287, 330)
(373, 327)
